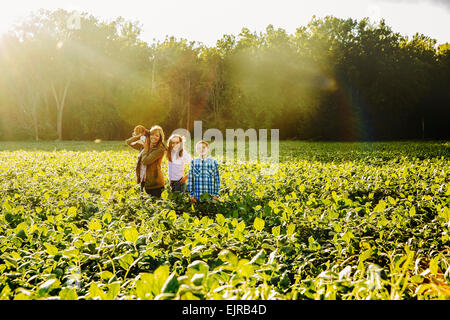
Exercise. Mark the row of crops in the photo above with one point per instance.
(368, 223)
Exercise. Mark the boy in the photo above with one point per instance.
(203, 174)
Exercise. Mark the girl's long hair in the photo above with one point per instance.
(170, 146)
(161, 136)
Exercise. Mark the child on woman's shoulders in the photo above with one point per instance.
(137, 141)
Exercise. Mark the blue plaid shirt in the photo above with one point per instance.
(203, 177)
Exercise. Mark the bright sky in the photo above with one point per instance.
(207, 20)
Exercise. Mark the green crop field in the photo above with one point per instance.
(337, 221)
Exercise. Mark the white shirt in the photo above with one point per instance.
(143, 170)
(176, 167)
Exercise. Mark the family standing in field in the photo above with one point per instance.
(203, 175)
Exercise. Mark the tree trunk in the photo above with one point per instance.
(35, 120)
(153, 75)
(36, 131)
(423, 128)
(60, 108)
(216, 98)
(188, 106)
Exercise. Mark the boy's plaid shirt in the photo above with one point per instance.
(203, 177)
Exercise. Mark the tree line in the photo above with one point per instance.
(333, 79)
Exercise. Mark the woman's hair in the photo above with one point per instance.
(137, 129)
(153, 130)
(170, 146)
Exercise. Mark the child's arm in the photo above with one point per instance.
(216, 179)
(131, 142)
(190, 186)
(150, 157)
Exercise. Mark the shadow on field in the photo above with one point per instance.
(63, 146)
(288, 149)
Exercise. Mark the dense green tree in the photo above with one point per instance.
(333, 79)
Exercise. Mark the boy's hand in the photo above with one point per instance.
(193, 200)
(215, 198)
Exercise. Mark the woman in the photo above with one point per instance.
(178, 158)
(148, 169)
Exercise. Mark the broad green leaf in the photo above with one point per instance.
(365, 255)
(131, 234)
(72, 212)
(290, 229)
(95, 292)
(185, 250)
(107, 218)
(197, 266)
(171, 284)
(171, 215)
(71, 252)
(337, 227)
(220, 219)
(259, 258)
(245, 269)
(445, 213)
(6, 205)
(434, 265)
(347, 237)
(272, 256)
(380, 206)
(241, 226)
(313, 244)
(113, 290)
(227, 256)
(68, 294)
(276, 231)
(47, 286)
(106, 275)
(258, 224)
(126, 260)
(95, 225)
(51, 249)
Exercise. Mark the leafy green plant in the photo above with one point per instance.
(73, 226)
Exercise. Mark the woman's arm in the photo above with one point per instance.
(216, 179)
(190, 186)
(150, 157)
(184, 179)
(136, 146)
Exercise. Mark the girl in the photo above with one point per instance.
(154, 150)
(178, 158)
